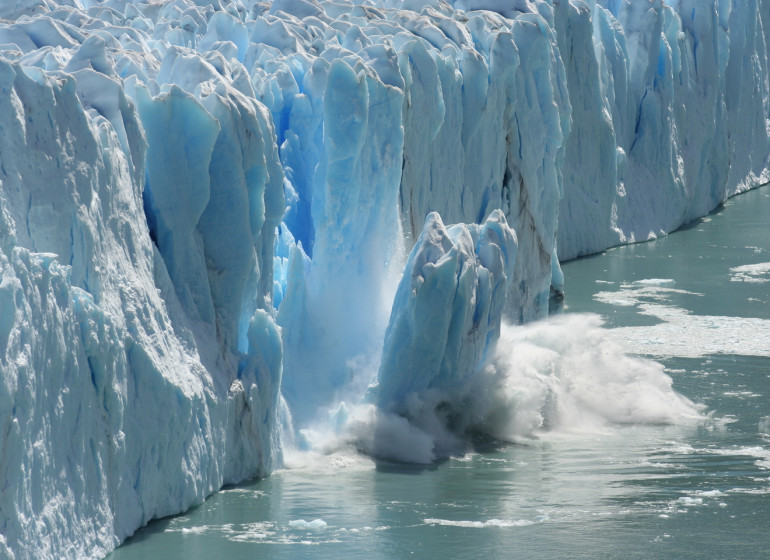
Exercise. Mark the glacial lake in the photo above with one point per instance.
(698, 302)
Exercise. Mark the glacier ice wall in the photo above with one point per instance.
(141, 365)
(205, 208)
(671, 118)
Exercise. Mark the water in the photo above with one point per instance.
(696, 301)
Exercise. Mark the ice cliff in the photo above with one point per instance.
(206, 207)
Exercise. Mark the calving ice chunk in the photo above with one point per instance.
(206, 212)
(446, 314)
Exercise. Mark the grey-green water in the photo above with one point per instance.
(697, 301)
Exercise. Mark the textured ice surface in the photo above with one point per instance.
(141, 365)
(447, 310)
(207, 205)
(665, 133)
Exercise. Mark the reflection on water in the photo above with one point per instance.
(641, 491)
(697, 301)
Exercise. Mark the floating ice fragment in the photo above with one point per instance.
(479, 524)
(689, 501)
(758, 273)
(656, 282)
(314, 525)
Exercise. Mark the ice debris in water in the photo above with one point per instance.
(314, 525)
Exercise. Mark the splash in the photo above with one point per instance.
(563, 375)
(567, 374)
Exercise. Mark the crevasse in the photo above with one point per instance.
(206, 212)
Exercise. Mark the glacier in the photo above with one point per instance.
(221, 220)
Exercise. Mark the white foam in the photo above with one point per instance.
(567, 374)
(681, 333)
(331, 455)
(757, 452)
(656, 282)
(364, 428)
(759, 272)
(201, 529)
(689, 501)
(709, 493)
(564, 375)
(742, 394)
(314, 525)
(479, 524)
(750, 491)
